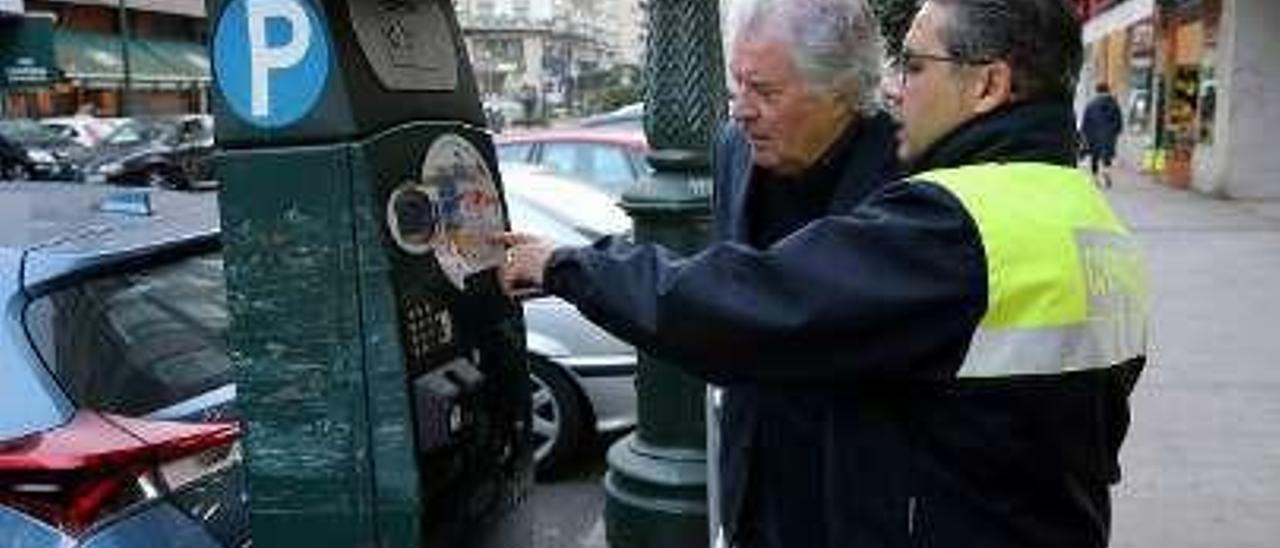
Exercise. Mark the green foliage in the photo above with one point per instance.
(619, 96)
(895, 18)
(617, 87)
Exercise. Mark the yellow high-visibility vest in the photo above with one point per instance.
(1066, 284)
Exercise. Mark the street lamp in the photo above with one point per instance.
(656, 486)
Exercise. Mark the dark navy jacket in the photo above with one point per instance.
(774, 428)
(1101, 125)
(871, 311)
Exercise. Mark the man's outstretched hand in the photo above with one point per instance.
(526, 261)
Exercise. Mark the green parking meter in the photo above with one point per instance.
(381, 376)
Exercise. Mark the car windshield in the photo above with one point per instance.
(135, 342)
(137, 132)
(28, 132)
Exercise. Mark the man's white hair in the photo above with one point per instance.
(835, 44)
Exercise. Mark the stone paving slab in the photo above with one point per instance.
(1202, 462)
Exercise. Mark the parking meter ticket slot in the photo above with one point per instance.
(440, 402)
(464, 374)
(408, 43)
(436, 405)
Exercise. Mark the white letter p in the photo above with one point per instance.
(264, 58)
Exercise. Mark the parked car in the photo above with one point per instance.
(629, 117)
(31, 151)
(609, 159)
(86, 130)
(169, 152)
(15, 164)
(116, 418)
(583, 378)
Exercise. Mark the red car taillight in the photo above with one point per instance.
(69, 476)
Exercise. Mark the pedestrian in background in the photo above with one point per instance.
(979, 325)
(1101, 126)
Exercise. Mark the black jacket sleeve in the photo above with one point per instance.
(894, 288)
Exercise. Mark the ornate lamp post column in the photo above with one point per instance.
(657, 482)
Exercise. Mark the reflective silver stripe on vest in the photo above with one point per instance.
(1054, 350)
(1113, 330)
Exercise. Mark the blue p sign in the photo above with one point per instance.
(271, 59)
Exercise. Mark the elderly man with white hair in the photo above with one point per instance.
(808, 138)
(808, 134)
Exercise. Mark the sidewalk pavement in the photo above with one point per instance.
(1202, 461)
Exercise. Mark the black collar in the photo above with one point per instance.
(858, 161)
(1019, 132)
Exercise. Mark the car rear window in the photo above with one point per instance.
(514, 152)
(134, 342)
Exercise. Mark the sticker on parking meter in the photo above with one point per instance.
(271, 60)
(450, 211)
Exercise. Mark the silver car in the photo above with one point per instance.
(583, 378)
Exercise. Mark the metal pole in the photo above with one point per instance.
(656, 486)
(126, 94)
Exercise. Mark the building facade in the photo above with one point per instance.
(549, 55)
(162, 45)
(1196, 88)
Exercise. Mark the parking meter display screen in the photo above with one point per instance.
(408, 43)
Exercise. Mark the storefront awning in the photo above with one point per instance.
(1116, 18)
(97, 61)
(26, 52)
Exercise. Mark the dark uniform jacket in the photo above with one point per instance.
(872, 312)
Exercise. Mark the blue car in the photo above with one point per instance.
(117, 425)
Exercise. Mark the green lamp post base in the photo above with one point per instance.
(656, 487)
(655, 496)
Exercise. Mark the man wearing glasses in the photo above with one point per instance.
(983, 320)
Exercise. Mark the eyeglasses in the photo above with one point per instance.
(908, 63)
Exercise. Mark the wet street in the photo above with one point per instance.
(569, 509)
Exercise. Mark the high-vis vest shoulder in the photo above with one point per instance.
(1066, 284)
